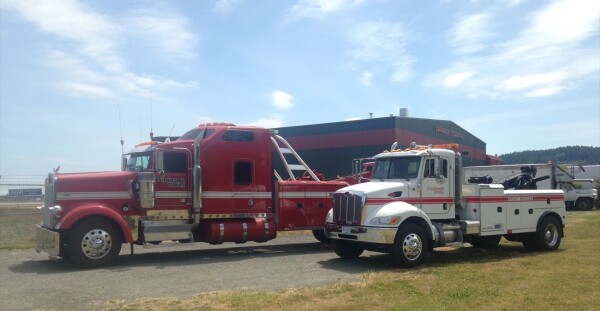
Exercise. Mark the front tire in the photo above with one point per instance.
(319, 234)
(410, 247)
(94, 242)
(347, 249)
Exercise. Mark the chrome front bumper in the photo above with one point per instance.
(47, 241)
(361, 234)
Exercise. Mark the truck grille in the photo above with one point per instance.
(347, 208)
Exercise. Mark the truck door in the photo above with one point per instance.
(435, 198)
(173, 189)
(291, 205)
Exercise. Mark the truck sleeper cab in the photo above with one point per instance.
(416, 201)
(215, 184)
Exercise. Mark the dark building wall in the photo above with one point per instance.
(330, 147)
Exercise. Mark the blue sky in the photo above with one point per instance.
(518, 74)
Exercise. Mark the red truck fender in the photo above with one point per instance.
(88, 210)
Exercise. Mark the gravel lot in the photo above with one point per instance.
(31, 281)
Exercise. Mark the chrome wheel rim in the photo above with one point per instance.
(412, 246)
(96, 243)
(551, 235)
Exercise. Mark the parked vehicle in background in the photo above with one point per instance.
(579, 193)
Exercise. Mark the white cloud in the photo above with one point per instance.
(544, 92)
(95, 66)
(553, 53)
(365, 78)
(282, 100)
(83, 89)
(226, 6)
(565, 22)
(165, 31)
(320, 8)
(383, 43)
(511, 3)
(469, 34)
(273, 121)
(529, 81)
(456, 79)
(93, 34)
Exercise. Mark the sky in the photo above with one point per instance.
(76, 76)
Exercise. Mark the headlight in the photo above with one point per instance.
(389, 220)
(329, 217)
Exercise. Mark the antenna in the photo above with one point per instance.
(171, 132)
(151, 133)
(121, 128)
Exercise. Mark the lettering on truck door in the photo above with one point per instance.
(173, 187)
(435, 189)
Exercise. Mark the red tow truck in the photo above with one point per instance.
(217, 183)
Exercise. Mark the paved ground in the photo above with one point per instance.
(30, 281)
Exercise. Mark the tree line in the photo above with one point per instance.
(562, 155)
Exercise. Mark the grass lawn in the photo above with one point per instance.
(465, 278)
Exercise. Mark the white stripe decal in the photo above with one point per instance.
(235, 195)
(92, 195)
(172, 194)
(188, 194)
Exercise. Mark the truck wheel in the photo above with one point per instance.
(548, 238)
(320, 236)
(347, 249)
(94, 242)
(410, 247)
(485, 241)
(584, 204)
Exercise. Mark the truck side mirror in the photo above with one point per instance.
(123, 163)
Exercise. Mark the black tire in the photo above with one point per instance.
(410, 247)
(347, 249)
(584, 204)
(548, 237)
(320, 236)
(94, 242)
(486, 241)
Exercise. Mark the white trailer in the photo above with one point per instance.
(579, 193)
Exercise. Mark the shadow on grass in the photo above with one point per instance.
(439, 258)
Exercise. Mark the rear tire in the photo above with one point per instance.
(410, 247)
(584, 204)
(548, 238)
(94, 242)
(347, 249)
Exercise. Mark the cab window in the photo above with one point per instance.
(242, 173)
(175, 162)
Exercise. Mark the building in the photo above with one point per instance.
(331, 147)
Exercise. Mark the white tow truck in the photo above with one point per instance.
(416, 201)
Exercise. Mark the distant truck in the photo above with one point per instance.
(579, 193)
(417, 200)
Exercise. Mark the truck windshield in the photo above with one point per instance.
(138, 161)
(397, 167)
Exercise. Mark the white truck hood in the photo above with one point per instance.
(376, 189)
